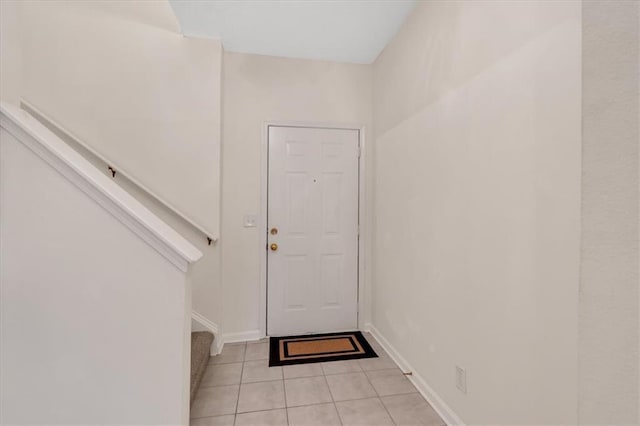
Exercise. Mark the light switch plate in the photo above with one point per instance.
(250, 221)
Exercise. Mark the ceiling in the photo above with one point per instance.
(334, 30)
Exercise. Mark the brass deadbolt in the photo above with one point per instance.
(274, 247)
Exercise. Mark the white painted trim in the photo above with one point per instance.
(438, 404)
(30, 108)
(262, 229)
(218, 343)
(186, 349)
(363, 289)
(245, 336)
(35, 136)
(363, 292)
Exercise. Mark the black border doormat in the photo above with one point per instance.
(308, 348)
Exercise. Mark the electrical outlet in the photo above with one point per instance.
(461, 379)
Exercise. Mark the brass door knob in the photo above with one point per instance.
(274, 247)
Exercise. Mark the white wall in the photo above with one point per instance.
(10, 53)
(258, 89)
(609, 307)
(206, 273)
(95, 313)
(477, 204)
(122, 79)
(157, 24)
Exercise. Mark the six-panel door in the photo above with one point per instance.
(312, 276)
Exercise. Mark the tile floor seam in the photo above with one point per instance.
(268, 409)
(239, 387)
(286, 405)
(284, 391)
(379, 397)
(260, 411)
(333, 401)
(338, 411)
(368, 373)
(213, 417)
(415, 389)
(330, 393)
(322, 403)
(348, 372)
(309, 405)
(354, 399)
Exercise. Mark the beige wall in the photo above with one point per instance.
(477, 204)
(78, 87)
(205, 273)
(609, 312)
(138, 93)
(10, 54)
(95, 314)
(258, 89)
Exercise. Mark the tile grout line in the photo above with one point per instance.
(378, 393)
(333, 402)
(284, 390)
(324, 375)
(235, 415)
(286, 404)
(265, 409)
(335, 407)
(210, 364)
(262, 381)
(370, 384)
(282, 408)
(222, 384)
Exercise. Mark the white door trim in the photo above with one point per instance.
(262, 222)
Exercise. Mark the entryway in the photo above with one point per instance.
(312, 225)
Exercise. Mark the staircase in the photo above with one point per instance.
(200, 352)
(92, 231)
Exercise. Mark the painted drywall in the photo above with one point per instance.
(151, 19)
(205, 274)
(10, 53)
(140, 95)
(94, 321)
(477, 108)
(609, 310)
(258, 89)
(158, 14)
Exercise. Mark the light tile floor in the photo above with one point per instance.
(239, 388)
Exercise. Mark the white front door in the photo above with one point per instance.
(312, 234)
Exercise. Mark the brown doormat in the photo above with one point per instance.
(310, 348)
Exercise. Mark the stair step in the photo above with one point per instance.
(200, 351)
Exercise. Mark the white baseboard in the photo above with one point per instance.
(244, 336)
(200, 323)
(438, 404)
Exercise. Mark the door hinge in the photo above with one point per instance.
(359, 150)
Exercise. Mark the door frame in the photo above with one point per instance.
(363, 293)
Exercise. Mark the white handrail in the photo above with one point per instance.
(33, 134)
(49, 122)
